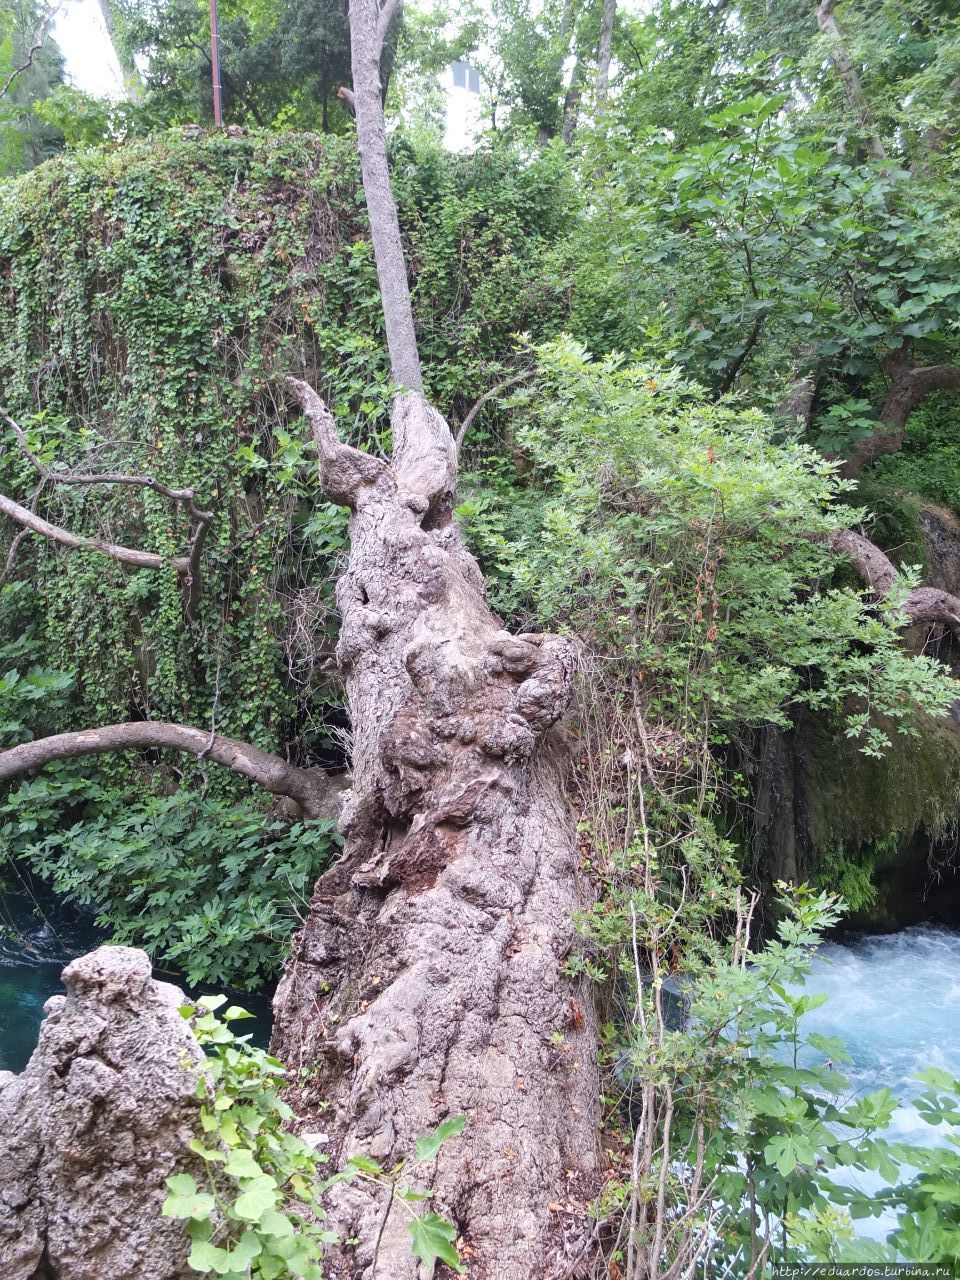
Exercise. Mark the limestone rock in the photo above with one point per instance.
(100, 1117)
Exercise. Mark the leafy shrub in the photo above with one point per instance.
(261, 1215)
(209, 886)
(686, 541)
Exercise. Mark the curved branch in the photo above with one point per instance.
(318, 795)
(468, 421)
(878, 573)
(39, 35)
(909, 383)
(344, 471)
(127, 555)
(187, 566)
(12, 553)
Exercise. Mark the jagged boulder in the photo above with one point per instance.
(91, 1129)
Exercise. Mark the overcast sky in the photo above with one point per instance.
(90, 60)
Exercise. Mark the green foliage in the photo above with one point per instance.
(685, 540)
(282, 63)
(154, 297)
(212, 887)
(32, 697)
(759, 1106)
(765, 245)
(262, 1213)
(27, 135)
(850, 877)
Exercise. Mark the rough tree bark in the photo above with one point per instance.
(429, 978)
(875, 569)
(315, 793)
(909, 383)
(605, 53)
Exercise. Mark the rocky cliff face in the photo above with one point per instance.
(95, 1124)
(819, 802)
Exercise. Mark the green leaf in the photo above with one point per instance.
(428, 1145)
(433, 1239)
(256, 1200)
(185, 1201)
(241, 1164)
(206, 1257)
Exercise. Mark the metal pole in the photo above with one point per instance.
(215, 64)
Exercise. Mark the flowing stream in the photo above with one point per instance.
(895, 1000)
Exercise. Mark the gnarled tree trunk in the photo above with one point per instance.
(428, 980)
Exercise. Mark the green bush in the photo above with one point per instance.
(685, 541)
(212, 887)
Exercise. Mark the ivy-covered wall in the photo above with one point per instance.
(151, 299)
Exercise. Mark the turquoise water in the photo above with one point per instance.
(36, 942)
(895, 1000)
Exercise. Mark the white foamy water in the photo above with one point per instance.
(895, 1000)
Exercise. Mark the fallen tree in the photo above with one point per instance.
(429, 978)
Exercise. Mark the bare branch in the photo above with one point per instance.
(12, 552)
(468, 421)
(36, 44)
(318, 795)
(344, 471)
(388, 10)
(187, 566)
(127, 555)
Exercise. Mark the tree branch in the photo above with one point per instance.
(344, 471)
(730, 376)
(909, 383)
(878, 573)
(12, 552)
(187, 566)
(852, 88)
(318, 795)
(468, 421)
(388, 10)
(127, 555)
(39, 35)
